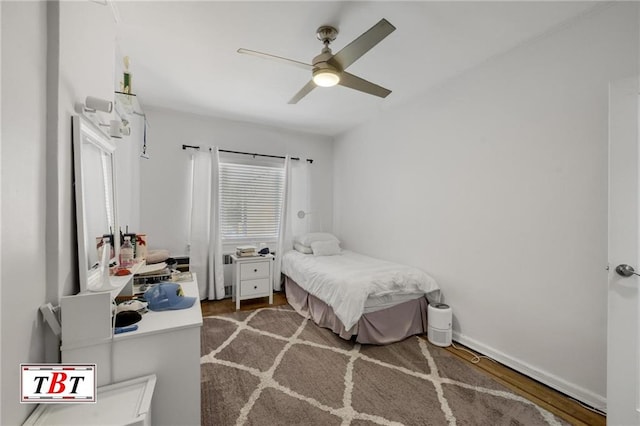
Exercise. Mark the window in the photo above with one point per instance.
(250, 202)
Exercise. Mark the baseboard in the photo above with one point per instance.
(583, 395)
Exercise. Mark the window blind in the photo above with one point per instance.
(250, 201)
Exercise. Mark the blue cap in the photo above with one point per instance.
(165, 296)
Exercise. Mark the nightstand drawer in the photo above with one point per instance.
(253, 287)
(253, 270)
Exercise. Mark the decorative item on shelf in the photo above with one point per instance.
(141, 246)
(126, 77)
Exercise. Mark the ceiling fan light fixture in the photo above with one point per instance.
(326, 77)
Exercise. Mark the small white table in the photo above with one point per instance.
(252, 277)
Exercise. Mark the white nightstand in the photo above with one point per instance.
(252, 277)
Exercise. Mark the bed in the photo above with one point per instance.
(357, 296)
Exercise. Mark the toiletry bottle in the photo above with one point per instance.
(126, 77)
(126, 253)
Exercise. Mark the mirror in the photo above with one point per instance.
(94, 169)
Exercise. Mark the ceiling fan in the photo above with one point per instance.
(328, 69)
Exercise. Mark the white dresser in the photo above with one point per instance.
(166, 344)
(252, 277)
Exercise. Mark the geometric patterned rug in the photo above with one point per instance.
(273, 367)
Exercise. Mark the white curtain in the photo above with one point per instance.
(205, 243)
(284, 213)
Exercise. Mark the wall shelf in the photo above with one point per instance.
(128, 104)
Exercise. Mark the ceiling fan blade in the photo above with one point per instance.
(357, 83)
(303, 92)
(358, 47)
(276, 58)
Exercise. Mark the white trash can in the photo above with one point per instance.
(439, 318)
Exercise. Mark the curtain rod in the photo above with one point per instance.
(309, 160)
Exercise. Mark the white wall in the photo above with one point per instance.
(128, 160)
(164, 178)
(85, 68)
(496, 184)
(128, 157)
(53, 54)
(24, 43)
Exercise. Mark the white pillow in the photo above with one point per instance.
(325, 248)
(302, 249)
(307, 239)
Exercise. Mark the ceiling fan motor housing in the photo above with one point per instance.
(324, 74)
(320, 61)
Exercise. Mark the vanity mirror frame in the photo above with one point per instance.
(87, 137)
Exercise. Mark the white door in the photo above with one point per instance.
(623, 354)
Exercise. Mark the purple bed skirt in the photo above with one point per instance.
(378, 328)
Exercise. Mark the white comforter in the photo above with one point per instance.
(345, 281)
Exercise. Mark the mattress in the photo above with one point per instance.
(353, 284)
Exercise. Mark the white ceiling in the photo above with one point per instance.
(183, 54)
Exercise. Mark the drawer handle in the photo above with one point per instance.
(255, 270)
(255, 287)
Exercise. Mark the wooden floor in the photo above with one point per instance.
(553, 401)
(225, 306)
